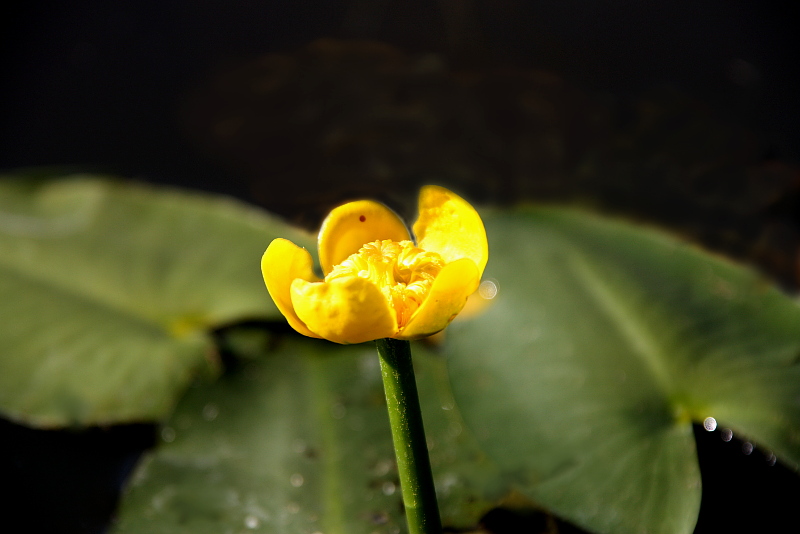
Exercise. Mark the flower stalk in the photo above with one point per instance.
(408, 435)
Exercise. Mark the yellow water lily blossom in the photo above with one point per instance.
(377, 282)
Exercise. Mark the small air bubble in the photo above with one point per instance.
(379, 518)
(296, 480)
(251, 522)
(388, 488)
(710, 424)
(454, 429)
(338, 410)
(168, 434)
(487, 289)
(727, 434)
(383, 467)
(747, 448)
(210, 411)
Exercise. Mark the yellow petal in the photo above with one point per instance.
(455, 282)
(350, 226)
(449, 225)
(345, 310)
(281, 264)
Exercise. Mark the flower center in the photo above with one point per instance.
(403, 272)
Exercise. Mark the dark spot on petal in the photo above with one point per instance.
(362, 218)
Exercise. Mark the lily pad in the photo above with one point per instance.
(108, 291)
(602, 346)
(298, 441)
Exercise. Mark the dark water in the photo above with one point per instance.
(70, 482)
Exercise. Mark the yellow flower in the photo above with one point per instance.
(378, 283)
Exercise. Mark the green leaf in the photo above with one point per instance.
(299, 442)
(108, 291)
(604, 343)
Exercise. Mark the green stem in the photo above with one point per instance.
(408, 435)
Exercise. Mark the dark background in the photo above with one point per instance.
(682, 114)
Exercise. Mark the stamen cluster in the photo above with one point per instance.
(403, 272)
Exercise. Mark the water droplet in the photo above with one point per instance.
(747, 448)
(210, 411)
(383, 467)
(299, 446)
(338, 410)
(447, 482)
(727, 434)
(251, 522)
(168, 434)
(183, 422)
(447, 406)
(355, 423)
(533, 334)
(710, 424)
(771, 459)
(296, 480)
(454, 429)
(388, 488)
(379, 518)
(293, 507)
(487, 289)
